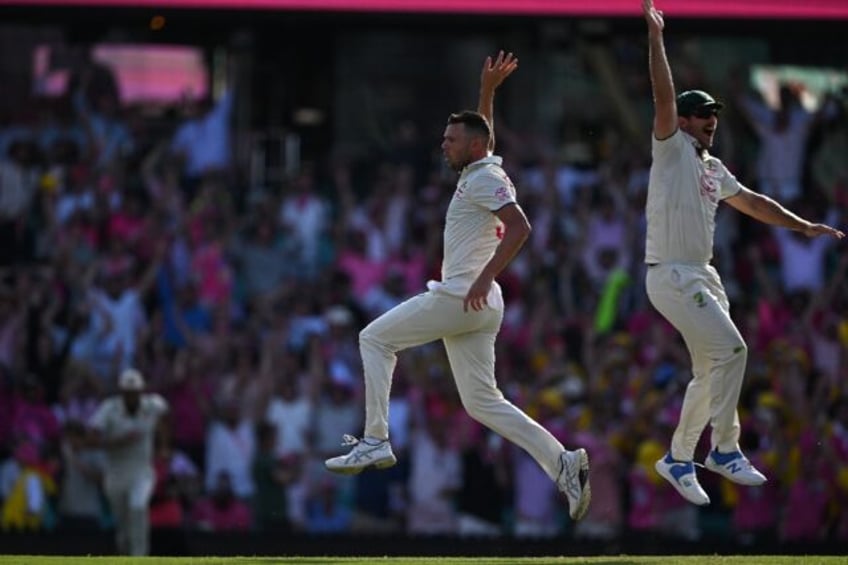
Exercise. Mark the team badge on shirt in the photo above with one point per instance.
(710, 181)
(502, 194)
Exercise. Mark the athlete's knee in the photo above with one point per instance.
(731, 350)
(476, 411)
(738, 351)
(481, 405)
(370, 337)
(735, 355)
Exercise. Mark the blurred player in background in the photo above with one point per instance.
(124, 426)
(686, 184)
(484, 229)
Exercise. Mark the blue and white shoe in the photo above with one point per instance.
(735, 467)
(367, 453)
(681, 475)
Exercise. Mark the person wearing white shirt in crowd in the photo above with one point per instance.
(305, 213)
(119, 302)
(783, 134)
(803, 260)
(290, 412)
(230, 447)
(435, 477)
(124, 426)
(203, 139)
(79, 506)
(99, 108)
(19, 175)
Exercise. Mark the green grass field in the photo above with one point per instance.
(608, 560)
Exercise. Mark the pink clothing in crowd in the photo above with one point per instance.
(413, 269)
(364, 273)
(804, 511)
(7, 403)
(773, 320)
(187, 402)
(606, 505)
(646, 501)
(213, 274)
(757, 508)
(34, 421)
(536, 499)
(126, 227)
(234, 516)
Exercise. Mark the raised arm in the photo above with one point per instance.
(665, 106)
(492, 75)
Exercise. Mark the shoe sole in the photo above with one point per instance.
(718, 469)
(585, 486)
(351, 470)
(661, 470)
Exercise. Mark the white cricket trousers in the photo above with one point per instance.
(469, 339)
(129, 499)
(692, 298)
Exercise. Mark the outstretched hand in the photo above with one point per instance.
(815, 230)
(495, 72)
(653, 16)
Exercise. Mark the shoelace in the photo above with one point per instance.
(357, 455)
(572, 484)
(744, 462)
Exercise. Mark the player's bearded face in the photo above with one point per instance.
(456, 146)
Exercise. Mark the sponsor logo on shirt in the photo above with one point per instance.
(502, 194)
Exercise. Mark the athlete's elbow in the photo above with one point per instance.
(523, 230)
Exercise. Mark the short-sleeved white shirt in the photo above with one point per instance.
(684, 190)
(472, 230)
(112, 419)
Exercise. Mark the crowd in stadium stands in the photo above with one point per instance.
(129, 247)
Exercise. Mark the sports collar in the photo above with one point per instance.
(490, 160)
(701, 152)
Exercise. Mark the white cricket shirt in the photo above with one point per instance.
(683, 194)
(472, 230)
(112, 419)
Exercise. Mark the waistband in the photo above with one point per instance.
(683, 263)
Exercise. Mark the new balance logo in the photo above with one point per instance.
(733, 467)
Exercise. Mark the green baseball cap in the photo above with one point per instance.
(691, 100)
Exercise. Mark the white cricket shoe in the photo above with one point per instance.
(367, 453)
(734, 466)
(573, 481)
(681, 475)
